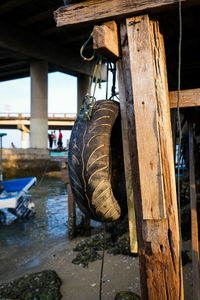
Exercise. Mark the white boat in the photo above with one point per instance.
(13, 197)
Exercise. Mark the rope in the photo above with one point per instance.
(179, 144)
(45, 170)
(102, 262)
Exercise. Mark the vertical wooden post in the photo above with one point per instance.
(71, 210)
(194, 221)
(157, 229)
(126, 109)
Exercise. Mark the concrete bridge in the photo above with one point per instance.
(64, 121)
(21, 121)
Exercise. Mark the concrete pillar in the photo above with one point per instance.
(24, 141)
(39, 105)
(82, 86)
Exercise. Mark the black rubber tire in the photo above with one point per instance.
(95, 161)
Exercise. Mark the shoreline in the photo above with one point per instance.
(121, 272)
(79, 283)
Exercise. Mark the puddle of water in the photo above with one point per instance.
(23, 241)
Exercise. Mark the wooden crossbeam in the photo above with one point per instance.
(101, 10)
(188, 98)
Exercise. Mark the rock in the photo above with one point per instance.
(85, 256)
(43, 285)
(124, 295)
(95, 241)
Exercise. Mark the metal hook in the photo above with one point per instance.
(83, 47)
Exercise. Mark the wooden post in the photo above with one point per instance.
(71, 209)
(158, 236)
(126, 110)
(194, 221)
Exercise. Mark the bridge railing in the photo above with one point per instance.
(27, 115)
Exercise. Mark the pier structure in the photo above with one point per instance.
(144, 39)
(150, 62)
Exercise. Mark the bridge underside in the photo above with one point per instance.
(29, 37)
(31, 34)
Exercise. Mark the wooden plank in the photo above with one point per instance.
(105, 40)
(188, 98)
(145, 107)
(101, 10)
(125, 94)
(158, 240)
(194, 221)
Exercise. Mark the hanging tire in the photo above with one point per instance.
(95, 161)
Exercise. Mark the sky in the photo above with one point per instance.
(62, 98)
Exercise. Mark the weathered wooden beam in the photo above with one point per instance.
(105, 40)
(71, 207)
(102, 10)
(146, 118)
(194, 220)
(127, 121)
(35, 47)
(188, 98)
(158, 240)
